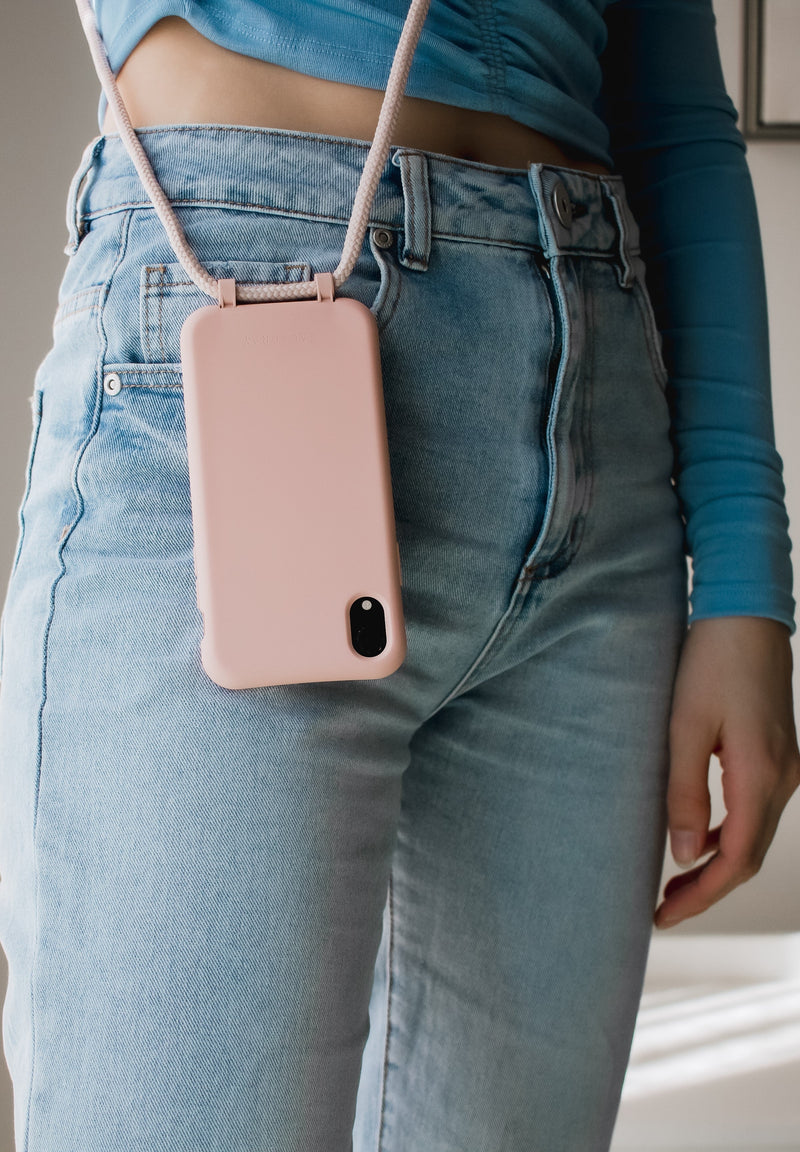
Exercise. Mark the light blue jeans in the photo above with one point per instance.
(400, 915)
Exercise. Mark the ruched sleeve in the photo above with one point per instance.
(674, 139)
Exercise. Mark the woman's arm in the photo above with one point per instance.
(675, 141)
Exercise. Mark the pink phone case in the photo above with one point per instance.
(294, 532)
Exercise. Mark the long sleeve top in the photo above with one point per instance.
(638, 86)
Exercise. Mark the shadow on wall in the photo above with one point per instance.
(715, 1060)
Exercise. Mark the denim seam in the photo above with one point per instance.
(160, 295)
(389, 989)
(243, 205)
(73, 312)
(64, 537)
(138, 369)
(583, 461)
(38, 409)
(166, 285)
(146, 333)
(536, 572)
(412, 206)
(554, 564)
(390, 226)
(411, 172)
(75, 302)
(394, 281)
(649, 322)
(414, 261)
(148, 318)
(494, 638)
(427, 219)
(78, 189)
(521, 581)
(154, 387)
(587, 447)
(559, 312)
(391, 283)
(93, 289)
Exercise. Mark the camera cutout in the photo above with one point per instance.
(367, 626)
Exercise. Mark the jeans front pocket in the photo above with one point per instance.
(383, 246)
(134, 536)
(167, 297)
(137, 472)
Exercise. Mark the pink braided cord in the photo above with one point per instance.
(365, 193)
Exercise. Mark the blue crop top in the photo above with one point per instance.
(638, 86)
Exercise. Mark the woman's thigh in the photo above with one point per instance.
(196, 882)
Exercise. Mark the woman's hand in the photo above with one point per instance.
(732, 697)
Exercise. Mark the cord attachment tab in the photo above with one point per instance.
(325, 285)
(226, 290)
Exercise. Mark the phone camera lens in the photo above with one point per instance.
(367, 626)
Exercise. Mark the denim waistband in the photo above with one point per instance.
(421, 194)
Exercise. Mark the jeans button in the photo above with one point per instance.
(383, 238)
(562, 203)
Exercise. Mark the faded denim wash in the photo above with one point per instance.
(400, 915)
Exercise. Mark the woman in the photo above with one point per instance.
(411, 912)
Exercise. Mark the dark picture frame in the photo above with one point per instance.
(759, 121)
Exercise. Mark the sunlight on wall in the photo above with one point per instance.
(715, 1060)
(686, 1036)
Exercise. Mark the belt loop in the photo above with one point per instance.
(414, 177)
(627, 227)
(77, 194)
(542, 182)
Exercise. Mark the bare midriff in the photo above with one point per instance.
(175, 75)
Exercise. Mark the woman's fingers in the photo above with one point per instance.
(693, 736)
(733, 698)
(754, 802)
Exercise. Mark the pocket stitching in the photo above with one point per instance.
(74, 303)
(161, 281)
(387, 298)
(130, 368)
